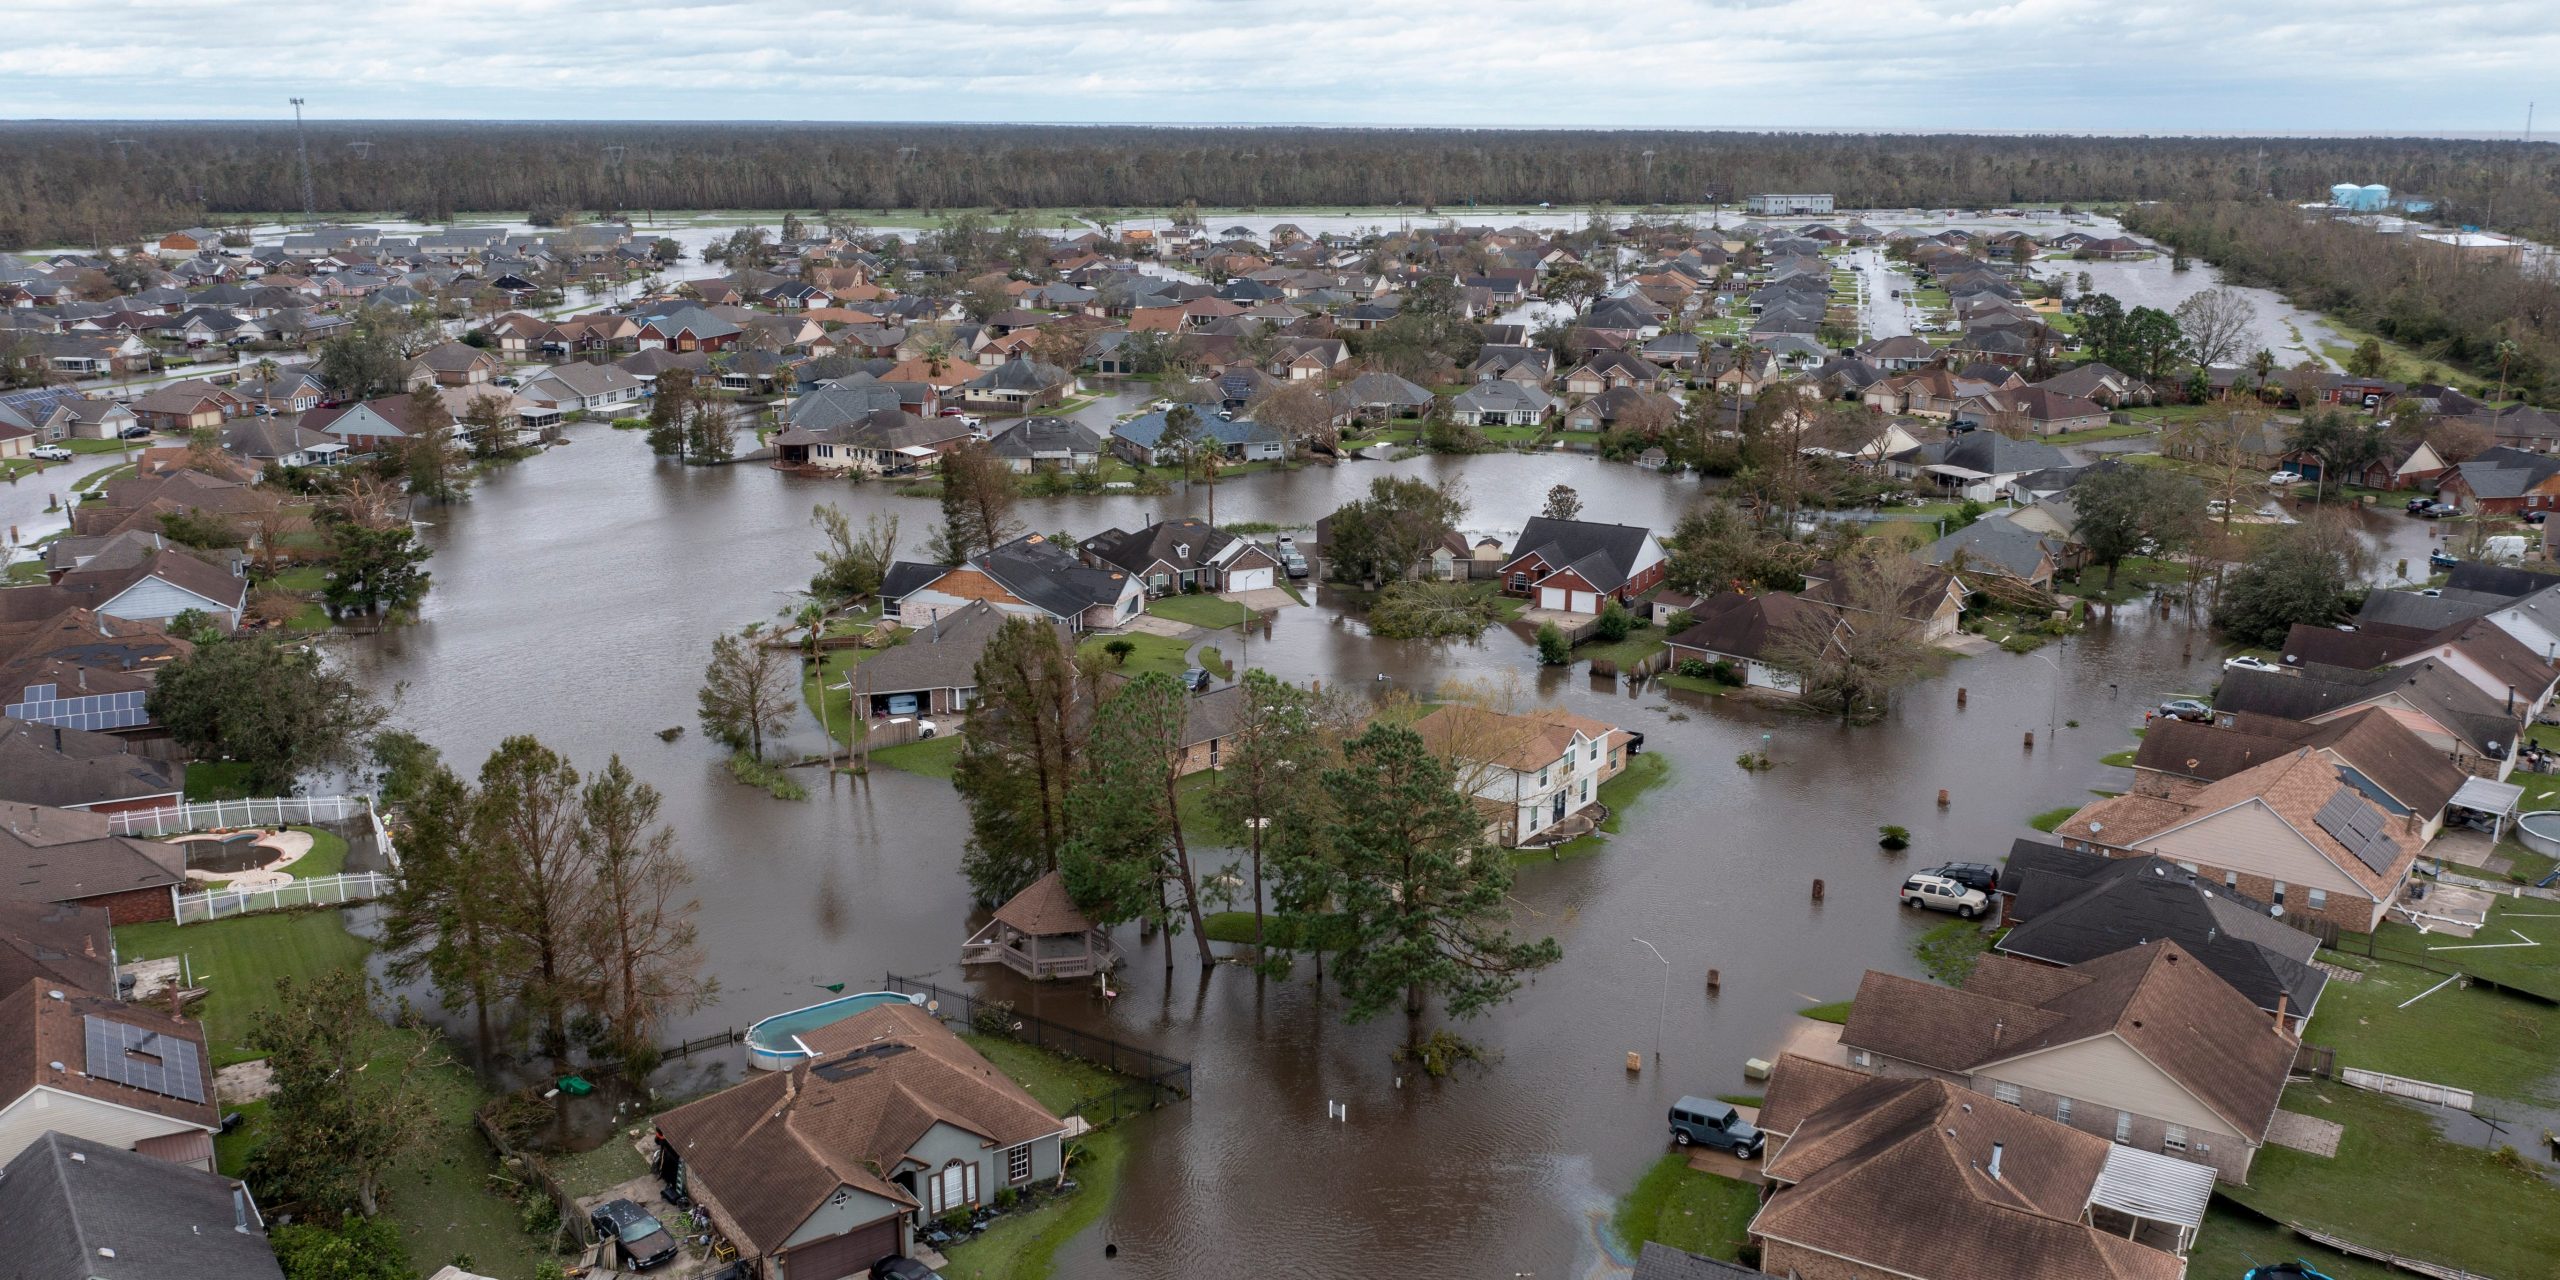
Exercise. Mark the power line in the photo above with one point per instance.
(302, 144)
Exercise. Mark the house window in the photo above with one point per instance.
(1860, 1058)
(1017, 1164)
(2279, 894)
(2175, 1139)
(955, 1187)
(2004, 1092)
(1519, 582)
(1586, 791)
(2318, 899)
(1595, 750)
(1542, 777)
(2062, 1110)
(2231, 880)
(2124, 1126)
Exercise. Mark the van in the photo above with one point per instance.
(2505, 546)
(1714, 1124)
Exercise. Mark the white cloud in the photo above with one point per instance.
(2066, 65)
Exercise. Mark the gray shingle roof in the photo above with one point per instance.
(82, 1210)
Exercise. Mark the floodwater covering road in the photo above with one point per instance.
(576, 598)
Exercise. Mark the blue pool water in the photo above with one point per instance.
(772, 1037)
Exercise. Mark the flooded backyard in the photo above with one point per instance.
(576, 598)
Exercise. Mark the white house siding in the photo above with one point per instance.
(41, 1109)
(152, 600)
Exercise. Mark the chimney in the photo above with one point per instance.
(1995, 1162)
(2284, 1006)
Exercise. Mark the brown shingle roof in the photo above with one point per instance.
(1800, 1086)
(1512, 740)
(37, 1031)
(2294, 788)
(1895, 1174)
(63, 855)
(1043, 909)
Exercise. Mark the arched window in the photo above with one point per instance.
(954, 1186)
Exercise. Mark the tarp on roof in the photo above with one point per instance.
(2488, 796)
(2153, 1186)
(916, 451)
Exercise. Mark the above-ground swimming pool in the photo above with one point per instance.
(773, 1044)
(2540, 831)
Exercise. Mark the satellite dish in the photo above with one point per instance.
(2276, 912)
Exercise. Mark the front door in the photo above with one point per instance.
(1558, 816)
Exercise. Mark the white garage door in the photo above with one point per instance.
(1585, 602)
(1552, 598)
(1249, 580)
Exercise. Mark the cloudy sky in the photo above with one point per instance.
(2065, 65)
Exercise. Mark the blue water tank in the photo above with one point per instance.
(2343, 195)
(2374, 196)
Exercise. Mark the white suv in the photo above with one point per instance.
(1943, 894)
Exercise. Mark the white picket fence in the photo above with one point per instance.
(222, 904)
(205, 815)
(2442, 1095)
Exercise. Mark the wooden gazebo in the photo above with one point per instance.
(1040, 935)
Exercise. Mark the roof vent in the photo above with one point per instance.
(105, 1252)
(52, 995)
(79, 1158)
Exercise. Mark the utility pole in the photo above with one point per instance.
(302, 145)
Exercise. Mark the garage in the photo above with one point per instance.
(849, 1254)
(1250, 580)
(1555, 599)
(1586, 602)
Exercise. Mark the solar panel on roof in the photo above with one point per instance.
(2360, 827)
(144, 1059)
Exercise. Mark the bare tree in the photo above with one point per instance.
(2218, 324)
(1852, 652)
(641, 933)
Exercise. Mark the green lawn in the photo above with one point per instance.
(238, 960)
(1058, 1082)
(1638, 646)
(106, 446)
(217, 780)
(1201, 610)
(2499, 1046)
(1836, 1013)
(25, 573)
(2052, 819)
(1153, 653)
(301, 577)
(936, 757)
(1283, 931)
(1951, 950)
(1697, 684)
(1201, 824)
(1645, 770)
(2511, 920)
(2395, 1185)
(2234, 1241)
(1681, 1207)
(328, 855)
(1024, 1246)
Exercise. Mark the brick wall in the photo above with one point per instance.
(135, 906)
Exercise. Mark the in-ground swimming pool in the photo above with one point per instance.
(773, 1044)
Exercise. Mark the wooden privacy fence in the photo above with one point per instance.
(2386, 1257)
(317, 891)
(1154, 1080)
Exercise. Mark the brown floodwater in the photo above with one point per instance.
(577, 594)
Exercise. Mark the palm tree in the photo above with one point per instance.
(813, 616)
(2507, 351)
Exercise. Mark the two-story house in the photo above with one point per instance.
(1530, 772)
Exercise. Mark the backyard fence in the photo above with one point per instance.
(1154, 1080)
(318, 891)
(205, 815)
(2442, 1095)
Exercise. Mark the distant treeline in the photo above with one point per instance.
(2492, 320)
(82, 183)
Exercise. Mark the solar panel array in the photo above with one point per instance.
(145, 1059)
(93, 711)
(2360, 827)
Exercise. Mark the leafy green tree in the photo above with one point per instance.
(2123, 507)
(437, 919)
(2292, 578)
(852, 564)
(707, 433)
(1126, 857)
(374, 569)
(1021, 755)
(1614, 621)
(1562, 504)
(355, 1249)
(543, 883)
(1553, 649)
(978, 497)
(2366, 360)
(1261, 785)
(2149, 345)
(365, 363)
(276, 708)
(198, 528)
(747, 691)
(640, 937)
(1383, 536)
(1420, 892)
(2344, 445)
(670, 402)
(342, 1118)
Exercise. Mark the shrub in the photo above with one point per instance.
(1417, 609)
(1894, 838)
(1120, 650)
(1723, 669)
(1615, 622)
(1553, 651)
(1694, 668)
(992, 1018)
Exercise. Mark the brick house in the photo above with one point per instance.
(1570, 566)
(63, 855)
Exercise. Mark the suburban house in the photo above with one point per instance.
(1923, 1179)
(2502, 481)
(1030, 576)
(1045, 444)
(87, 418)
(2000, 548)
(455, 364)
(157, 587)
(1531, 772)
(2388, 760)
(94, 1067)
(2145, 1047)
(1501, 402)
(1753, 632)
(69, 856)
(934, 670)
(1175, 556)
(1981, 465)
(62, 767)
(2066, 907)
(1570, 566)
(1040, 934)
(186, 406)
(96, 1211)
(1141, 440)
(820, 1171)
(2297, 832)
(2474, 729)
(577, 387)
(1019, 385)
(62, 945)
(366, 425)
(875, 442)
(264, 441)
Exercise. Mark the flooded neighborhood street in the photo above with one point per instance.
(576, 597)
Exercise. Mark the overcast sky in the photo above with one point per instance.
(2161, 66)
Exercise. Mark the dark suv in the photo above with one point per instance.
(1972, 875)
(636, 1236)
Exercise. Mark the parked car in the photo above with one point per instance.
(1195, 679)
(1293, 563)
(2282, 478)
(2246, 663)
(1714, 1124)
(2439, 510)
(2186, 709)
(2442, 560)
(1942, 894)
(136, 432)
(2217, 507)
(635, 1234)
(2418, 506)
(897, 1268)
(1972, 875)
(924, 728)
(1286, 542)
(50, 453)
(2535, 517)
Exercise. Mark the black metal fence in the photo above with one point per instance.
(1154, 1079)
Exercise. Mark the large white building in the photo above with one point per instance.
(1780, 206)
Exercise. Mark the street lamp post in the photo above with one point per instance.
(2053, 708)
(1662, 1010)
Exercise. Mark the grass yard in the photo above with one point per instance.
(2395, 1185)
(2234, 1240)
(301, 577)
(1024, 1246)
(1201, 610)
(1681, 1207)
(2512, 921)
(25, 573)
(1708, 685)
(1638, 646)
(238, 961)
(1645, 771)
(217, 780)
(1152, 653)
(1286, 932)
(1836, 1013)
(2498, 1046)
(937, 757)
(1058, 1082)
(1201, 824)
(328, 855)
(1951, 950)
(2052, 819)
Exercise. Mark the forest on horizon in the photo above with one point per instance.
(99, 182)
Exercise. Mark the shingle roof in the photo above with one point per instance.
(64, 855)
(39, 1030)
(1043, 909)
(60, 944)
(2311, 794)
(83, 1209)
(1604, 554)
(1747, 626)
(2415, 776)
(2072, 907)
(48, 764)
(942, 654)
